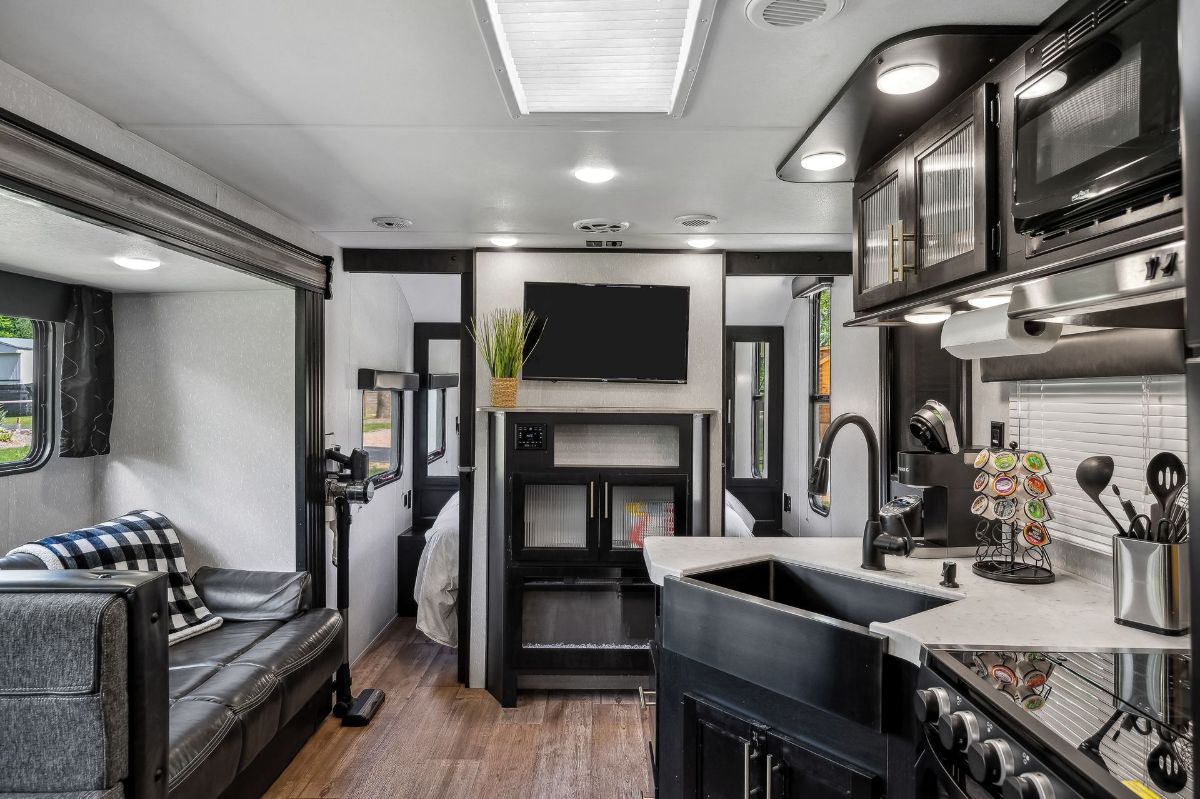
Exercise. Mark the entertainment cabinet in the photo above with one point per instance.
(572, 497)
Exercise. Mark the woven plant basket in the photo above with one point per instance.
(504, 392)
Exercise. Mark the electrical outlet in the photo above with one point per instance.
(997, 441)
(787, 503)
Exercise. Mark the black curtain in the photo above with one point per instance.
(87, 374)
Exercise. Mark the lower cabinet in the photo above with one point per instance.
(730, 756)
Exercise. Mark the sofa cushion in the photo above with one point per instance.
(206, 748)
(254, 696)
(184, 679)
(239, 595)
(301, 655)
(222, 645)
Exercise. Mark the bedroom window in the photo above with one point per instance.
(819, 409)
(758, 410)
(26, 382)
(436, 429)
(383, 434)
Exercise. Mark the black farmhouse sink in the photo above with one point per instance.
(799, 631)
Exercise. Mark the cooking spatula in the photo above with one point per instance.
(1164, 474)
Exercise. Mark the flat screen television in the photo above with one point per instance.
(608, 333)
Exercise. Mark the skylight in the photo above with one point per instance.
(595, 56)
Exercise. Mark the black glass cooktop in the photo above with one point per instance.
(1124, 710)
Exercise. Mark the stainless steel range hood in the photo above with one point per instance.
(1142, 290)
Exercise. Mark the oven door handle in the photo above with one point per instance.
(945, 781)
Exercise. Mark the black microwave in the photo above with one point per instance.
(1096, 125)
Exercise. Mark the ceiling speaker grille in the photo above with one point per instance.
(776, 14)
(695, 221)
(601, 225)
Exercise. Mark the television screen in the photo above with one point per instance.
(608, 332)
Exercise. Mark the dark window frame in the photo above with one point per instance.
(440, 431)
(44, 393)
(392, 475)
(758, 407)
(816, 399)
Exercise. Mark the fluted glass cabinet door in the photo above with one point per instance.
(554, 517)
(880, 218)
(954, 192)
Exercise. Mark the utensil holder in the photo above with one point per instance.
(1151, 586)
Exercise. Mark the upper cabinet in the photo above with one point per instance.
(926, 216)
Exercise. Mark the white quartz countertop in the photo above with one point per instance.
(1069, 615)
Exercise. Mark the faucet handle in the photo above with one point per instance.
(949, 574)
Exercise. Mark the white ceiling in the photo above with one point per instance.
(432, 298)
(41, 241)
(333, 113)
(757, 299)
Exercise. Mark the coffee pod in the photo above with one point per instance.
(1035, 486)
(1004, 485)
(1028, 698)
(987, 662)
(1005, 509)
(982, 506)
(983, 482)
(1036, 511)
(1029, 674)
(1035, 534)
(1002, 673)
(984, 461)
(1003, 461)
(1035, 462)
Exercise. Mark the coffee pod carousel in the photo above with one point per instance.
(1011, 502)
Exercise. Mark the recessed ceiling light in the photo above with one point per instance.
(821, 162)
(504, 241)
(1047, 84)
(595, 174)
(989, 300)
(137, 264)
(907, 79)
(701, 244)
(927, 317)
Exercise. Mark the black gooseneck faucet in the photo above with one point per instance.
(875, 541)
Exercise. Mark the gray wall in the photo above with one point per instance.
(204, 427)
(368, 325)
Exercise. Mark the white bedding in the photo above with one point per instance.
(436, 588)
(739, 523)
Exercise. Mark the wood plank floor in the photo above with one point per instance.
(433, 738)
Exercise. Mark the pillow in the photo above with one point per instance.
(734, 526)
(735, 505)
(138, 541)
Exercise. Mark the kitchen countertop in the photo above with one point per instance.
(1069, 615)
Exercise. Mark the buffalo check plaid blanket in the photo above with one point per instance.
(138, 541)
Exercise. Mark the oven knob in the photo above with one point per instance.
(931, 704)
(1029, 786)
(958, 730)
(990, 761)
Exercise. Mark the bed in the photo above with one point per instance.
(739, 522)
(436, 586)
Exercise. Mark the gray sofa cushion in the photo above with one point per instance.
(117, 792)
(71, 699)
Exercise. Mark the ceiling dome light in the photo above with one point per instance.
(1047, 84)
(137, 264)
(907, 79)
(989, 300)
(701, 244)
(822, 162)
(595, 174)
(927, 317)
(504, 241)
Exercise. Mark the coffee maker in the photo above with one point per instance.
(935, 507)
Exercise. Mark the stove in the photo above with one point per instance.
(1025, 724)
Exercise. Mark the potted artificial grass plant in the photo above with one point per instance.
(505, 337)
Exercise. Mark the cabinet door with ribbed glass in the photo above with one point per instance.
(954, 192)
(880, 212)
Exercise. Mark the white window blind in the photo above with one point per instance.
(1129, 419)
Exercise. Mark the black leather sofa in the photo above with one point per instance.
(218, 715)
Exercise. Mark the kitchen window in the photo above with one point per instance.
(383, 435)
(819, 409)
(26, 383)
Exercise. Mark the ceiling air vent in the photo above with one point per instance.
(695, 221)
(601, 225)
(392, 222)
(781, 14)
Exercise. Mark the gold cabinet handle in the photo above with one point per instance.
(606, 499)
(591, 500)
(896, 239)
(643, 701)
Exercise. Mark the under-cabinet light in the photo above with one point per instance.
(504, 241)
(595, 174)
(137, 264)
(701, 244)
(927, 317)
